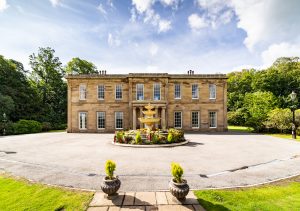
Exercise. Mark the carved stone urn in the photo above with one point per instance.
(110, 187)
(179, 190)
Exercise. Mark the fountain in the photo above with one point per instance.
(149, 120)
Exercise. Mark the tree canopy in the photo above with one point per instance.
(80, 66)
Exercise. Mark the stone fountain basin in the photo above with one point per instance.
(151, 145)
(152, 120)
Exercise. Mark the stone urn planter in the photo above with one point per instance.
(179, 190)
(110, 186)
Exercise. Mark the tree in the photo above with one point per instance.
(7, 105)
(80, 66)
(47, 78)
(258, 105)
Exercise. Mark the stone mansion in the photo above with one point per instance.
(109, 102)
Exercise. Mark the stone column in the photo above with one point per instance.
(163, 118)
(141, 115)
(134, 118)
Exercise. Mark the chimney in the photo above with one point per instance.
(192, 72)
(104, 72)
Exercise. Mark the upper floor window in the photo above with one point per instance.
(82, 92)
(156, 91)
(101, 120)
(101, 89)
(195, 92)
(212, 119)
(177, 91)
(140, 91)
(118, 92)
(212, 91)
(82, 120)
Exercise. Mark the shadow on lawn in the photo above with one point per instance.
(207, 205)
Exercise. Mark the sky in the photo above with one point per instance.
(174, 36)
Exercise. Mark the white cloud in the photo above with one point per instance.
(142, 5)
(101, 9)
(275, 51)
(164, 26)
(113, 41)
(110, 3)
(196, 22)
(3, 5)
(153, 49)
(55, 3)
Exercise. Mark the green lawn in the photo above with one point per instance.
(282, 135)
(240, 129)
(22, 195)
(266, 198)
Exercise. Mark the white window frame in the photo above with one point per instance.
(121, 90)
(155, 84)
(198, 119)
(197, 91)
(177, 84)
(180, 119)
(116, 120)
(82, 92)
(85, 122)
(211, 97)
(98, 115)
(216, 119)
(98, 91)
(137, 91)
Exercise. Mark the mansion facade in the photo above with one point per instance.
(109, 102)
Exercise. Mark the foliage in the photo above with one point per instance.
(7, 106)
(175, 135)
(241, 129)
(271, 197)
(138, 138)
(155, 138)
(119, 136)
(177, 172)
(22, 195)
(46, 126)
(237, 117)
(258, 104)
(27, 126)
(171, 137)
(110, 167)
(80, 66)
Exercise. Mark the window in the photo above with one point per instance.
(212, 91)
(82, 92)
(82, 120)
(195, 94)
(195, 119)
(156, 91)
(118, 91)
(140, 91)
(119, 120)
(212, 119)
(177, 91)
(101, 92)
(101, 120)
(177, 119)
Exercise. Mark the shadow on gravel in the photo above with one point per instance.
(193, 144)
(8, 152)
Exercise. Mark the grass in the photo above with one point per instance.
(54, 131)
(269, 197)
(282, 135)
(16, 194)
(242, 129)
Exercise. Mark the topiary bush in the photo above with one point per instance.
(27, 126)
(119, 136)
(177, 172)
(138, 138)
(110, 167)
(171, 138)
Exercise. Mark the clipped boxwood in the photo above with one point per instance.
(27, 126)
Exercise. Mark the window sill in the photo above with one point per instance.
(213, 127)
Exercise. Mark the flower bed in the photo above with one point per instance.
(146, 137)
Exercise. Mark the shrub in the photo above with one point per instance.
(110, 167)
(177, 172)
(119, 136)
(8, 126)
(236, 117)
(138, 138)
(46, 126)
(27, 126)
(155, 139)
(171, 138)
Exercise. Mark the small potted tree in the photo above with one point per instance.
(178, 186)
(110, 184)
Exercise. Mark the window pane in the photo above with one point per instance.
(118, 91)
(101, 120)
(119, 120)
(177, 119)
(195, 119)
(101, 92)
(82, 92)
(177, 91)
(156, 92)
(212, 119)
(140, 91)
(212, 91)
(195, 91)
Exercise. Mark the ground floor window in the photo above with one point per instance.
(119, 120)
(195, 119)
(212, 119)
(101, 120)
(82, 120)
(177, 119)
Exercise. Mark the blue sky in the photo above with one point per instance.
(121, 36)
